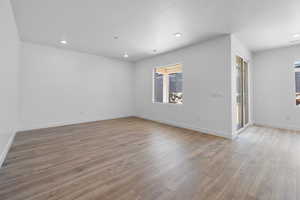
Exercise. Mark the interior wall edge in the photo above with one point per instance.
(9, 77)
(6, 148)
(238, 48)
(28, 42)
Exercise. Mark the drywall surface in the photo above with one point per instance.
(60, 87)
(9, 77)
(274, 88)
(206, 84)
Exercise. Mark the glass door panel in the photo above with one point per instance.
(242, 97)
(239, 92)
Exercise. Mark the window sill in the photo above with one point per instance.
(176, 104)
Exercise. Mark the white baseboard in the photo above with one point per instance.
(191, 127)
(6, 148)
(237, 132)
(285, 127)
(69, 123)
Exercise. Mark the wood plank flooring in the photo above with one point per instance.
(135, 159)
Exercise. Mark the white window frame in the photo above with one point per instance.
(165, 86)
(294, 78)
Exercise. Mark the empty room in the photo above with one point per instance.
(149, 100)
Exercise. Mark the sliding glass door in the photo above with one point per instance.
(242, 97)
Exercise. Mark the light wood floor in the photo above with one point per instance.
(135, 159)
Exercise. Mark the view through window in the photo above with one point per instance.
(297, 81)
(168, 83)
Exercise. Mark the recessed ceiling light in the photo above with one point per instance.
(116, 37)
(296, 35)
(63, 42)
(125, 55)
(177, 34)
(154, 50)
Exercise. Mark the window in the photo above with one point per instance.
(297, 81)
(168, 84)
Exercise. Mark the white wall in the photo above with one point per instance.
(239, 49)
(61, 87)
(207, 88)
(274, 88)
(9, 72)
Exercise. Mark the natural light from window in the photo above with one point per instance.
(297, 81)
(168, 84)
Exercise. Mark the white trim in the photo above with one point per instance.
(69, 123)
(165, 88)
(292, 128)
(237, 132)
(190, 127)
(235, 93)
(295, 84)
(177, 104)
(6, 149)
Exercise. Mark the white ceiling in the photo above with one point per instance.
(144, 25)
